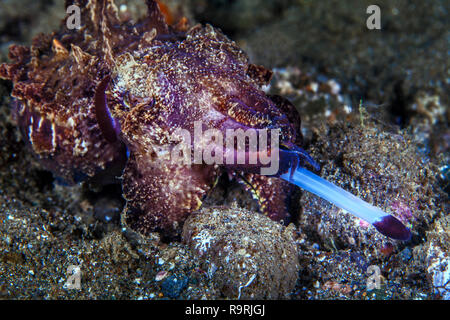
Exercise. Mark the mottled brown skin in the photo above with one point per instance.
(152, 78)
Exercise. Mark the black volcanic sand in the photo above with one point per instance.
(392, 150)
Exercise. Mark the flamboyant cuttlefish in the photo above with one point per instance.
(114, 98)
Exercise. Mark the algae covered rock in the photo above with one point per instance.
(247, 255)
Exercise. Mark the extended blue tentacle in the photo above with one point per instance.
(292, 170)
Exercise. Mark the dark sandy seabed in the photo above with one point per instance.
(392, 150)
